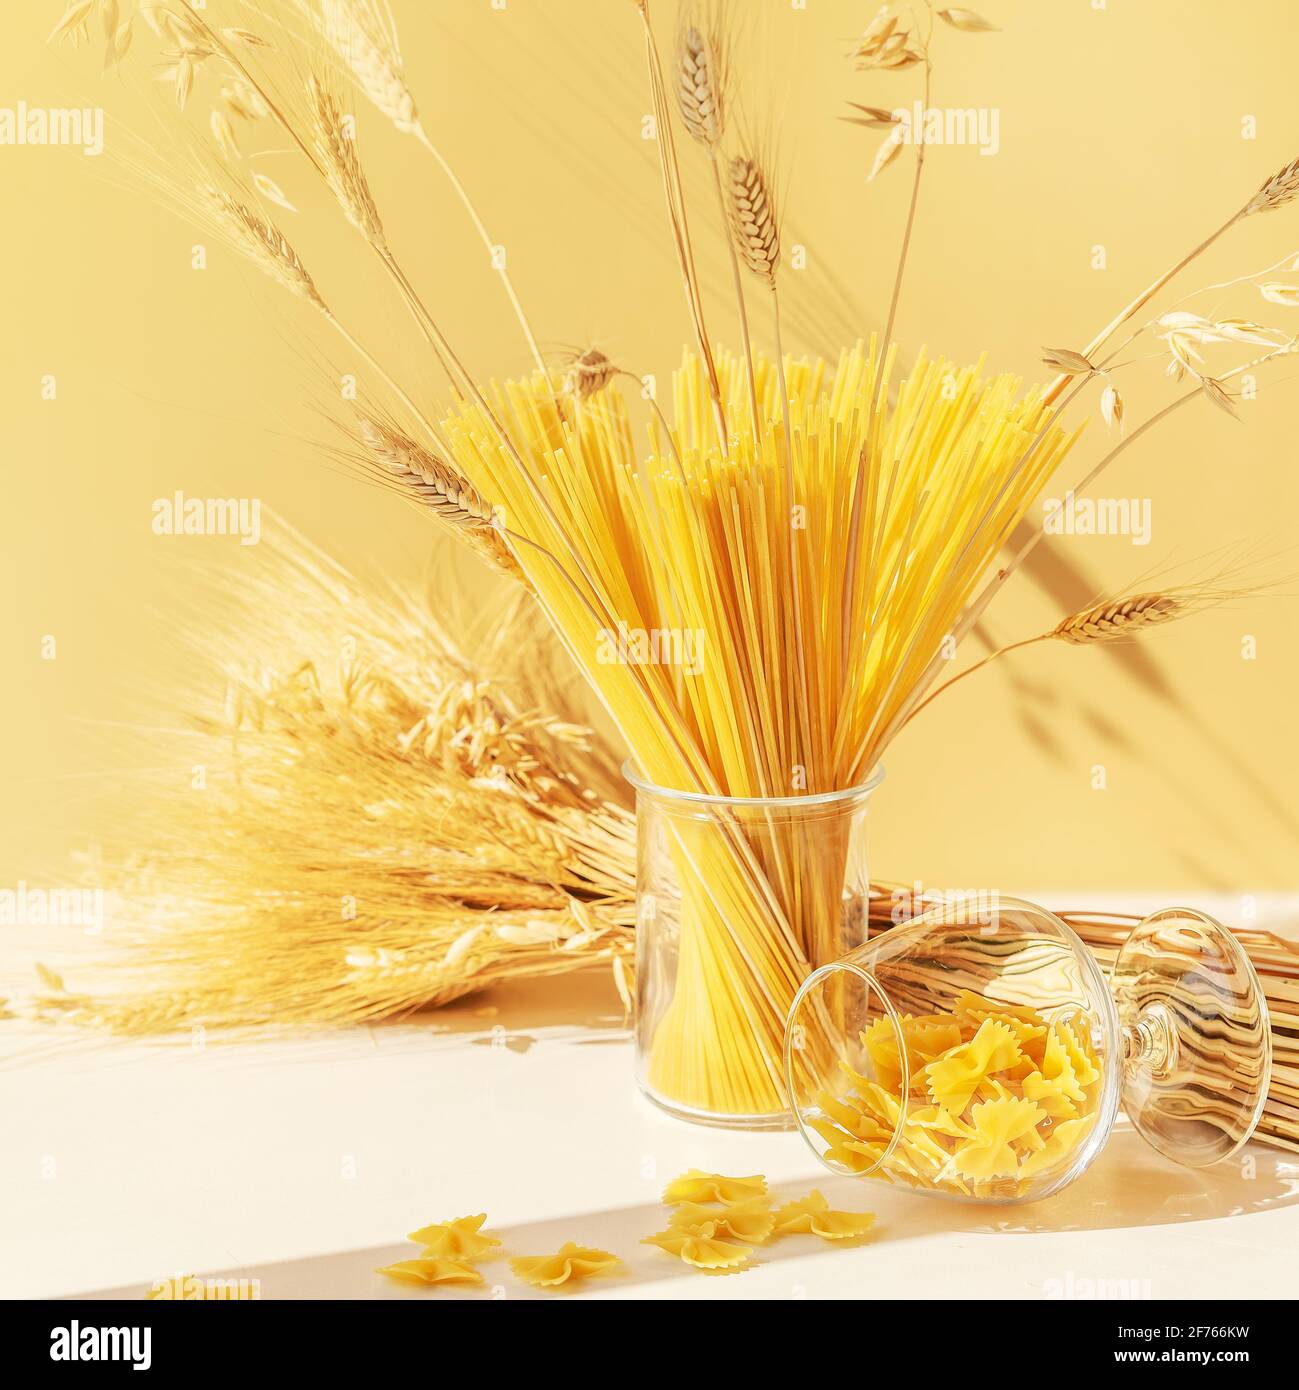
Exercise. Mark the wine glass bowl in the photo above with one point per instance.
(979, 1052)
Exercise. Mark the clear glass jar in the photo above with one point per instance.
(738, 899)
(979, 1052)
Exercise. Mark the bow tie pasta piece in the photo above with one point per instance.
(973, 1009)
(749, 1221)
(702, 1246)
(1058, 1066)
(1065, 1137)
(697, 1186)
(460, 1239)
(1077, 1044)
(811, 1215)
(997, 1124)
(941, 1121)
(570, 1264)
(856, 1155)
(1051, 1095)
(431, 1271)
(955, 1076)
(928, 1038)
(848, 1114)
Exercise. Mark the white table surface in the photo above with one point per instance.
(302, 1163)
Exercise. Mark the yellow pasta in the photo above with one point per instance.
(956, 1075)
(568, 1265)
(460, 1239)
(811, 1215)
(750, 1220)
(816, 647)
(431, 1271)
(998, 1095)
(701, 1246)
(696, 1186)
(991, 1153)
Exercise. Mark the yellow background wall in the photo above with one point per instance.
(1121, 126)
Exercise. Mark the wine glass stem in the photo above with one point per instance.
(1150, 1044)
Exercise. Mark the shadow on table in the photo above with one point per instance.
(1129, 1186)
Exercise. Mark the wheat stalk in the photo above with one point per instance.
(703, 73)
(435, 485)
(701, 80)
(342, 164)
(263, 243)
(364, 37)
(679, 221)
(1127, 617)
(1110, 620)
(753, 219)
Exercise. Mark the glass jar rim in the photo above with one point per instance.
(642, 785)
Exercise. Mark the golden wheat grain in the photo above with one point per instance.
(362, 34)
(1108, 622)
(591, 371)
(342, 163)
(753, 218)
(700, 85)
(434, 484)
(263, 243)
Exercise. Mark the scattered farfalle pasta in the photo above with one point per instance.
(994, 1094)
(568, 1265)
(695, 1186)
(460, 1240)
(811, 1215)
(720, 1220)
(431, 1270)
(703, 1246)
(750, 1220)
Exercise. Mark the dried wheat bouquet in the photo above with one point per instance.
(386, 822)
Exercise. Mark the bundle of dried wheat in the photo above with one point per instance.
(386, 823)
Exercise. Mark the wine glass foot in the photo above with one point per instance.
(1196, 1035)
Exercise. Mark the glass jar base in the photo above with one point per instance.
(781, 1120)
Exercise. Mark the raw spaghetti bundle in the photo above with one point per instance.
(817, 571)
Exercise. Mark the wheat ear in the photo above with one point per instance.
(362, 34)
(435, 485)
(1111, 621)
(341, 164)
(755, 229)
(701, 72)
(263, 243)
(679, 220)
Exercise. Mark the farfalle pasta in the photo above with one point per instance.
(570, 1264)
(431, 1270)
(717, 1233)
(461, 1239)
(696, 1186)
(992, 1095)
